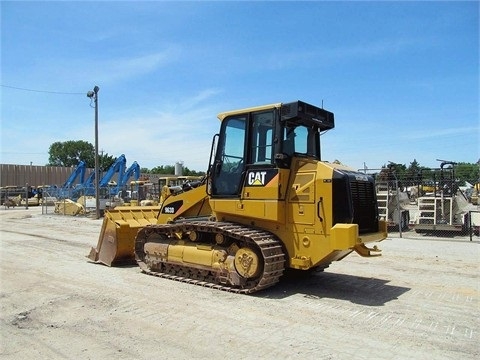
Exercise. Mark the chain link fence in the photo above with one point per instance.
(79, 200)
(82, 201)
(437, 205)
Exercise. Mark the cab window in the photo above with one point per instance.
(301, 140)
(261, 146)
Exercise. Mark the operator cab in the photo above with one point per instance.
(263, 137)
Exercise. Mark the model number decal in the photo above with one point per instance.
(172, 208)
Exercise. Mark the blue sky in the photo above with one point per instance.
(401, 77)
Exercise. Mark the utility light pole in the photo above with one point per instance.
(94, 95)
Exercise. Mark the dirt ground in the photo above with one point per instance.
(420, 300)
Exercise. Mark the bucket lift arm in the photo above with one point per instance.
(117, 166)
(133, 170)
(79, 171)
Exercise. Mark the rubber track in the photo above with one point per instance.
(270, 247)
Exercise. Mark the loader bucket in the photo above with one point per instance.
(117, 237)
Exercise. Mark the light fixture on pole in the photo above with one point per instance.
(94, 95)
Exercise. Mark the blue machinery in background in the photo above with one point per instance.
(78, 172)
(117, 167)
(87, 187)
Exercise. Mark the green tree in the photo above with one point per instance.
(163, 169)
(412, 173)
(70, 153)
(188, 172)
(467, 172)
(104, 161)
(170, 170)
(414, 167)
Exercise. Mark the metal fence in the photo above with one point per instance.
(431, 209)
(82, 201)
(33, 175)
(474, 224)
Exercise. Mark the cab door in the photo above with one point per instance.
(229, 165)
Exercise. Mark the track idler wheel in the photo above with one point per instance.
(247, 263)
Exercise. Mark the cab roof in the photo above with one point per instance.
(223, 115)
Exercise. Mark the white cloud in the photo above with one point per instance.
(128, 67)
(123, 68)
(78, 72)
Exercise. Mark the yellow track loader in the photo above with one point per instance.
(267, 203)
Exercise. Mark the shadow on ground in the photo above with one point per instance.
(356, 289)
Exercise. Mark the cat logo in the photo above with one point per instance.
(256, 178)
(260, 177)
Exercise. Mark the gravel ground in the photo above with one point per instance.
(419, 300)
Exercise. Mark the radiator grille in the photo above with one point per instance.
(355, 201)
(364, 205)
